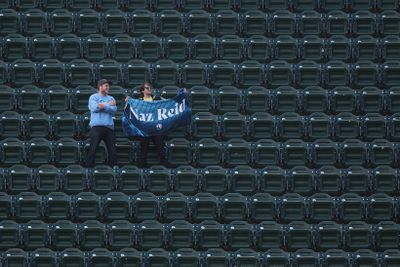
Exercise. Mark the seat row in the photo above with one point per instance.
(188, 257)
(114, 21)
(219, 73)
(208, 234)
(178, 48)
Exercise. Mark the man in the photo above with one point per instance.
(102, 107)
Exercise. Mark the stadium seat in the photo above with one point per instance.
(204, 206)
(353, 152)
(239, 234)
(386, 235)
(12, 151)
(74, 179)
(79, 4)
(336, 256)
(150, 234)
(114, 22)
(53, 4)
(256, 99)
(28, 206)
(35, 235)
(314, 99)
(366, 47)
(365, 257)
(198, 22)
(363, 22)
(364, 73)
(30, 98)
(116, 206)
(351, 207)
(251, 75)
(312, 47)
(109, 69)
(258, 47)
(66, 151)
(329, 236)
(136, 71)
(389, 72)
(100, 257)
(233, 125)
(338, 48)
(65, 124)
(11, 124)
(254, 22)
(60, 21)
(176, 48)
(337, 22)
(209, 234)
(141, 22)
(269, 235)
(33, 21)
(237, 152)
(165, 73)
(346, 125)
(322, 207)
(383, 180)
(298, 235)
(261, 125)
(390, 257)
(95, 47)
(358, 235)
(17, 179)
(64, 235)
(228, 99)
(129, 179)
(389, 22)
(285, 47)
(145, 206)
(57, 207)
(243, 180)
(158, 180)
(356, 180)
(371, 100)
(6, 204)
(56, 98)
(290, 124)
(10, 234)
(301, 180)
(80, 74)
(68, 47)
(295, 153)
(180, 234)
(216, 257)
(282, 22)
(273, 180)
(186, 180)
(37, 124)
(39, 151)
(205, 125)
(307, 257)
(50, 72)
(343, 99)
(230, 47)
(292, 207)
(174, 206)
(92, 234)
(128, 256)
(203, 48)
(121, 234)
(47, 179)
(324, 152)
(285, 99)
(87, 22)
(394, 127)
(15, 256)
(381, 152)
(336, 73)
(390, 44)
(149, 48)
(185, 256)
(169, 22)
(233, 207)
(15, 46)
(265, 152)
(9, 22)
(310, 22)
(201, 99)
(226, 22)
(279, 73)
(380, 207)
(7, 95)
(222, 73)
(214, 179)
(101, 179)
(308, 73)
(122, 48)
(262, 207)
(318, 125)
(22, 72)
(71, 256)
(86, 206)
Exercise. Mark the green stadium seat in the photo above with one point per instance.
(74, 179)
(198, 22)
(47, 179)
(6, 204)
(158, 180)
(343, 99)
(306, 257)
(237, 152)
(226, 22)
(360, 5)
(179, 234)
(30, 98)
(114, 22)
(380, 207)
(165, 73)
(33, 21)
(92, 235)
(205, 125)
(365, 257)
(204, 206)
(234, 207)
(363, 22)
(176, 48)
(243, 179)
(150, 234)
(371, 100)
(389, 72)
(66, 151)
(284, 47)
(53, 4)
(116, 206)
(312, 47)
(298, 236)
(61, 21)
(71, 257)
(142, 22)
(109, 69)
(137, 71)
(358, 235)
(120, 234)
(209, 234)
(125, 151)
(295, 152)
(68, 47)
(39, 151)
(222, 73)
(290, 125)
(279, 73)
(329, 236)
(239, 234)
(7, 96)
(301, 180)
(214, 179)
(18, 179)
(262, 208)
(230, 47)
(394, 127)
(174, 206)
(314, 99)
(128, 256)
(11, 124)
(383, 180)
(37, 124)
(256, 99)
(15, 46)
(254, 22)
(86, 206)
(12, 151)
(364, 73)
(386, 235)
(269, 235)
(16, 256)
(310, 22)
(389, 22)
(336, 73)
(186, 256)
(149, 48)
(250, 73)
(337, 22)
(346, 125)
(265, 152)
(338, 48)
(324, 152)
(273, 180)
(203, 48)
(79, 4)
(129, 179)
(329, 180)
(366, 47)
(87, 22)
(381, 152)
(390, 257)
(50, 72)
(216, 257)
(390, 44)
(122, 48)
(65, 124)
(322, 207)
(10, 234)
(64, 235)
(261, 125)
(351, 207)
(132, 5)
(258, 47)
(216, 5)
(233, 125)
(35, 235)
(336, 256)
(201, 99)
(249, 4)
(353, 152)
(165, 4)
(102, 179)
(276, 256)
(145, 206)
(185, 179)
(95, 47)
(169, 22)
(22, 72)
(391, 101)
(308, 74)
(286, 99)
(228, 99)
(157, 257)
(318, 125)
(189, 5)
(9, 22)
(282, 22)
(56, 99)
(271, 5)
(57, 207)
(292, 207)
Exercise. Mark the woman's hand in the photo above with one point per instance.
(127, 98)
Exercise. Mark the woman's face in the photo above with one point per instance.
(147, 89)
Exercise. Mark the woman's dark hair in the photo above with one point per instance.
(141, 88)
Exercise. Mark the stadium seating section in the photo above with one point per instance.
(292, 156)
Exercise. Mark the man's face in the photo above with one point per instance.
(147, 89)
(104, 89)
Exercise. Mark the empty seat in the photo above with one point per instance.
(157, 180)
(186, 180)
(389, 71)
(201, 99)
(364, 73)
(12, 151)
(35, 235)
(273, 180)
(256, 99)
(214, 179)
(261, 125)
(9, 22)
(390, 44)
(353, 152)
(114, 22)
(290, 125)
(279, 73)
(386, 235)
(56, 98)
(12, 124)
(68, 47)
(64, 234)
(351, 207)
(239, 234)
(180, 234)
(295, 153)
(336, 73)
(22, 72)
(53, 4)
(318, 125)
(80, 72)
(394, 127)
(121, 234)
(205, 125)
(314, 99)
(6, 205)
(15, 256)
(276, 5)
(324, 152)
(358, 235)
(79, 4)
(282, 22)
(7, 95)
(57, 206)
(150, 235)
(87, 206)
(301, 180)
(95, 47)
(312, 47)
(310, 22)
(216, 257)
(243, 179)
(203, 48)
(380, 207)
(39, 151)
(72, 256)
(346, 126)
(100, 257)
(109, 69)
(66, 151)
(366, 47)
(204, 206)
(165, 73)
(128, 256)
(176, 48)
(266, 152)
(226, 22)
(174, 206)
(285, 47)
(328, 236)
(285, 99)
(222, 73)
(198, 22)
(258, 47)
(142, 21)
(381, 152)
(74, 179)
(308, 73)
(17, 178)
(254, 22)
(233, 207)
(61, 21)
(145, 206)
(92, 234)
(116, 206)
(343, 99)
(101, 179)
(122, 48)
(51, 71)
(363, 22)
(365, 257)
(10, 234)
(185, 256)
(389, 22)
(250, 73)
(136, 71)
(233, 125)
(15, 46)
(237, 152)
(269, 235)
(292, 207)
(371, 99)
(298, 235)
(383, 179)
(336, 256)
(262, 207)
(230, 47)
(129, 179)
(149, 48)
(337, 22)
(34, 21)
(209, 234)
(322, 207)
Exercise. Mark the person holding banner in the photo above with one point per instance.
(150, 118)
(102, 107)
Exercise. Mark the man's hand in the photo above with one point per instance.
(185, 90)
(101, 105)
(112, 103)
(127, 98)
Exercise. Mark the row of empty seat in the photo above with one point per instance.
(114, 21)
(159, 257)
(178, 48)
(213, 179)
(208, 234)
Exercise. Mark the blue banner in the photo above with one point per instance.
(159, 117)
